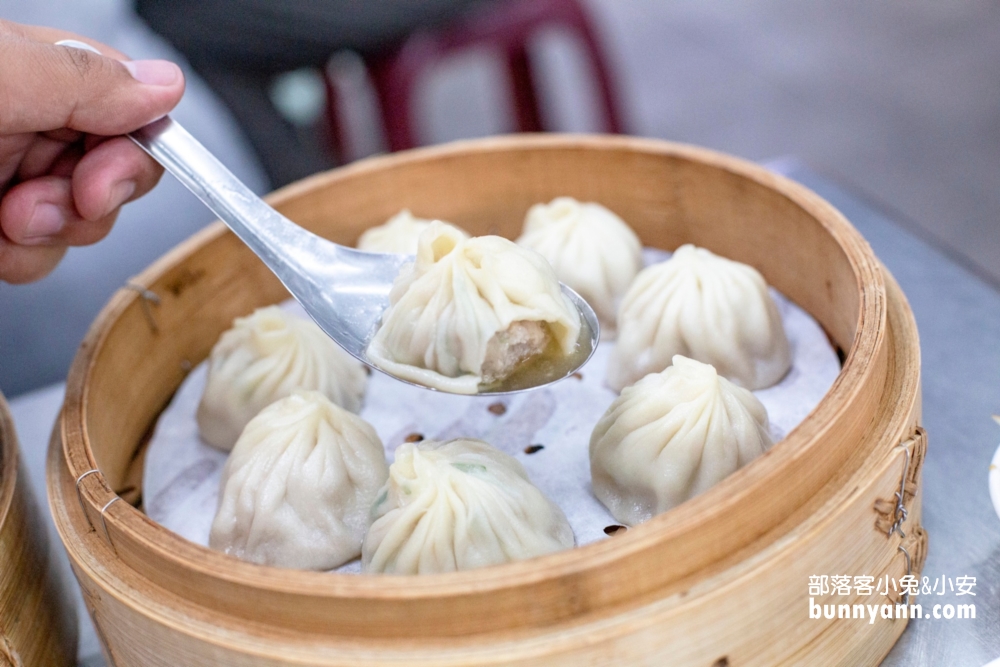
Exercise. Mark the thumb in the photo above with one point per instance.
(47, 87)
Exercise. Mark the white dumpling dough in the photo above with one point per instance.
(298, 485)
(459, 505)
(266, 356)
(705, 307)
(469, 311)
(671, 436)
(591, 249)
(397, 235)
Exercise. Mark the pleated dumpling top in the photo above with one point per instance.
(671, 436)
(705, 307)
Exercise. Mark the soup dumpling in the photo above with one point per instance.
(297, 487)
(264, 357)
(671, 436)
(706, 307)
(397, 235)
(459, 505)
(470, 311)
(590, 248)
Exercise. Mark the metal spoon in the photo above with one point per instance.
(344, 290)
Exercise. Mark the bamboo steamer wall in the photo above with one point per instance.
(37, 621)
(721, 579)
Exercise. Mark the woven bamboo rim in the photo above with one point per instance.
(37, 622)
(545, 591)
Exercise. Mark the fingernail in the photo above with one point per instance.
(120, 193)
(153, 72)
(46, 220)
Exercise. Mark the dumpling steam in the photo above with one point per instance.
(267, 356)
(298, 485)
(590, 248)
(398, 234)
(471, 311)
(671, 436)
(705, 307)
(459, 505)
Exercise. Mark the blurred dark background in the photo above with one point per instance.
(899, 101)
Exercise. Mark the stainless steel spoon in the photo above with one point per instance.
(344, 290)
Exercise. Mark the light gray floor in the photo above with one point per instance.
(900, 98)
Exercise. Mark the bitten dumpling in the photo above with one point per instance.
(671, 436)
(591, 249)
(459, 505)
(398, 235)
(705, 307)
(298, 485)
(267, 356)
(471, 311)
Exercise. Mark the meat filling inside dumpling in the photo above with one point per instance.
(510, 348)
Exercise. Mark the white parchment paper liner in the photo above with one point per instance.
(182, 474)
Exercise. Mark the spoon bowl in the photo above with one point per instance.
(344, 290)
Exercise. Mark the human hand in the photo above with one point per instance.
(65, 169)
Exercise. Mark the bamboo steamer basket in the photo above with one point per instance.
(720, 580)
(37, 619)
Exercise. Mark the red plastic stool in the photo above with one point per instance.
(507, 26)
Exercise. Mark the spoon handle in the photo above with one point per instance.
(278, 241)
(269, 234)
